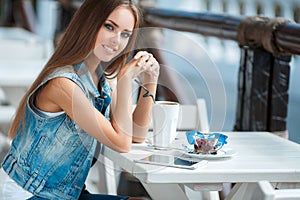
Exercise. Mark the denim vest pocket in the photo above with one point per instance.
(34, 153)
(67, 134)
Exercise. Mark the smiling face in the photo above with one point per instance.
(114, 34)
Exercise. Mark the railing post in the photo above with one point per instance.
(262, 91)
(279, 93)
(253, 86)
(263, 79)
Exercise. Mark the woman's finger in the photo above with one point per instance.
(139, 54)
(144, 60)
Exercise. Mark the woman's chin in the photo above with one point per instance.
(104, 56)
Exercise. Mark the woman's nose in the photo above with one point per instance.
(115, 39)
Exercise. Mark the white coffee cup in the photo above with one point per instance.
(164, 118)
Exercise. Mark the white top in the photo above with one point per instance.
(10, 190)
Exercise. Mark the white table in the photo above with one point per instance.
(260, 156)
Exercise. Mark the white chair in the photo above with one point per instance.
(194, 117)
(266, 191)
(262, 190)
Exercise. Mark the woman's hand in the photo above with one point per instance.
(142, 63)
(148, 64)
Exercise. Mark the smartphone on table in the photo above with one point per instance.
(172, 161)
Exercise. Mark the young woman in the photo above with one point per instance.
(83, 95)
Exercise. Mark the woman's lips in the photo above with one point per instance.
(110, 49)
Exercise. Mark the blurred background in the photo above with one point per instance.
(30, 29)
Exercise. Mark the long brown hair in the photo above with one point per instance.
(78, 41)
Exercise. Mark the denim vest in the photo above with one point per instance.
(51, 156)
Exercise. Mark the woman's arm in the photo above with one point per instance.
(145, 65)
(143, 110)
(142, 113)
(63, 94)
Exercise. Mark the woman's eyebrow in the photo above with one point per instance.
(116, 25)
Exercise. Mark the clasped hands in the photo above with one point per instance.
(142, 63)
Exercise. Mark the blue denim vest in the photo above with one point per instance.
(51, 156)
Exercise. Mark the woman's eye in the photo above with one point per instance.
(125, 35)
(108, 27)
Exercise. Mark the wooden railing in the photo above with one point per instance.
(223, 26)
(272, 8)
(267, 45)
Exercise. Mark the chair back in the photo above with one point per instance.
(262, 190)
(265, 191)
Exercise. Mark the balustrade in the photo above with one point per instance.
(217, 20)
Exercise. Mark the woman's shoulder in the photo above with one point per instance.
(65, 71)
(66, 75)
(61, 85)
